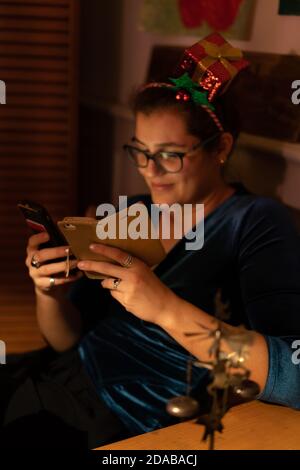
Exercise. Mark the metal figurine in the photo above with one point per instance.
(230, 382)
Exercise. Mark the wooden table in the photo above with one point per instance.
(252, 426)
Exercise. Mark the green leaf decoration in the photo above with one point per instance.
(184, 82)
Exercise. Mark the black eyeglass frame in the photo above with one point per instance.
(153, 156)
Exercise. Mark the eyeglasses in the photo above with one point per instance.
(170, 162)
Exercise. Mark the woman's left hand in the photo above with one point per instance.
(137, 288)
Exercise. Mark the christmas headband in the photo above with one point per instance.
(205, 71)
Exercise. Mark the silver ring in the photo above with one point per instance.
(35, 263)
(128, 262)
(116, 283)
(51, 284)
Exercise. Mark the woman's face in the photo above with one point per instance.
(200, 174)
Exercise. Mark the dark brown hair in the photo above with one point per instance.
(199, 122)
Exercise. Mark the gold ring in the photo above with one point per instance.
(128, 262)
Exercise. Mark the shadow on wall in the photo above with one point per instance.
(262, 173)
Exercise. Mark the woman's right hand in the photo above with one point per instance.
(41, 276)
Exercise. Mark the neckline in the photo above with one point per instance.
(238, 189)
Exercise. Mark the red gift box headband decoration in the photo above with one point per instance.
(204, 72)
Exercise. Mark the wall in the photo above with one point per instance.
(100, 40)
(281, 36)
(100, 51)
(279, 164)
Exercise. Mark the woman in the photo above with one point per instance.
(118, 354)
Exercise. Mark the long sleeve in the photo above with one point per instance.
(269, 265)
(269, 270)
(283, 382)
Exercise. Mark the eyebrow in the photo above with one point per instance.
(162, 144)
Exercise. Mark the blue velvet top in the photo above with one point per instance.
(251, 252)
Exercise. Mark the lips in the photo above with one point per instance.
(161, 186)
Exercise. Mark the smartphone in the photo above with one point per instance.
(38, 220)
(82, 231)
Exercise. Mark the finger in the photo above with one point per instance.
(35, 240)
(53, 268)
(111, 252)
(44, 282)
(109, 283)
(47, 254)
(102, 267)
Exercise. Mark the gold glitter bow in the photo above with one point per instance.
(224, 54)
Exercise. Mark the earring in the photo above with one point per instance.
(222, 162)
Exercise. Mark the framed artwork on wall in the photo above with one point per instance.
(289, 7)
(234, 18)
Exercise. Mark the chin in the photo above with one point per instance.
(163, 198)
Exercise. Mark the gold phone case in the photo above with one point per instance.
(80, 232)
